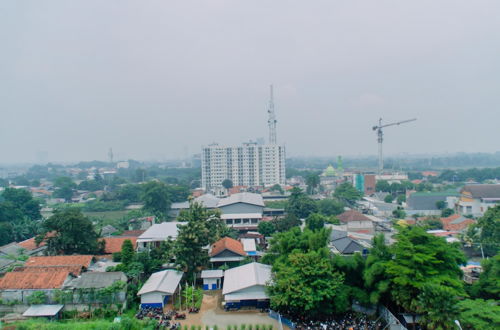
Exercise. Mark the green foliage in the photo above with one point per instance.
(300, 205)
(277, 204)
(389, 198)
(156, 198)
(286, 223)
(440, 205)
(305, 284)
(312, 182)
(438, 305)
(91, 185)
(416, 261)
(488, 286)
(330, 206)
(315, 221)
(192, 238)
(487, 231)
(479, 314)
(401, 199)
(23, 201)
(277, 188)
(70, 233)
(399, 213)
(37, 298)
(266, 228)
(383, 186)
(130, 193)
(101, 206)
(127, 252)
(446, 212)
(432, 224)
(347, 193)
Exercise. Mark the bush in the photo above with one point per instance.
(117, 256)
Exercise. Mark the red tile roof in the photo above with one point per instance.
(134, 233)
(114, 244)
(30, 244)
(75, 269)
(352, 215)
(37, 280)
(456, 222)
(227, 243)
(81, 260)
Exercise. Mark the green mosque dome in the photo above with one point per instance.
(329, 171)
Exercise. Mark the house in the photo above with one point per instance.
(208, 201)
(242, 211)
(425, 203)
(249, 246)
(114, 244)
(341, 243)
(84, 261)
(108, 230)
(476, 199)
(97, 281)
(456, 222)
(356, 221)
(158, 233)
(226, 250)
(245, 286)
(212, 279)
(159, 288)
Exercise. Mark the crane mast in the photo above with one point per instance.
(380, 139)
(272, 118)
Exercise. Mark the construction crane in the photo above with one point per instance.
(380, 135)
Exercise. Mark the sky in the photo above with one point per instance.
(157, 80)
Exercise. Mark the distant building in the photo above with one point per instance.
(158, 233)
(476, 199)
(249, 165)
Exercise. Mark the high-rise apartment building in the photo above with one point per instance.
(250, 164)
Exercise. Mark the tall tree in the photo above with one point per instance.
(23, 200)
(488, 286)
(330, 206)
(299, 204)
(315, 221)
(128, 252)
(347, 193)
(312, 182)
(156, 198)
(68, 231)
(486, 232)
(266, 228)
(192, 239)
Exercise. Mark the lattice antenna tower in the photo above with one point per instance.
(272, 118)
(110, 155)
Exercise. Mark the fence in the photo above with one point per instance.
(392, 321)
(277, 316)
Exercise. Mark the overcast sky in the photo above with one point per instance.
(157, 79)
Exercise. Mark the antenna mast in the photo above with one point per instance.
(272, 119)
(110, 155)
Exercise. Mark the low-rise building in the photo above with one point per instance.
(226, 250)
(159, 288)
(212, 279)
(245, 286)
(356, 221)
(476, 199)
(242, 211)
(158, 233)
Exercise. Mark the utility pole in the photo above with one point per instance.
(272, 118)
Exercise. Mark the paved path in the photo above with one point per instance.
(212, 314)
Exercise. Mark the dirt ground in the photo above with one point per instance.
(211, 313)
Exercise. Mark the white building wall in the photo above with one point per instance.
(152, 298)
(247, 165)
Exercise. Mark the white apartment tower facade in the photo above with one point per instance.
(250, 164)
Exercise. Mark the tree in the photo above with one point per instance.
(479, 314)
(191, 241)
(68, 231)
(315, 221)
(23, 200)
(65, 192)
(417, 262)
(488, 286)
(299, 204)
(440, 205)
(399, 213)
(266, 228)
(438, 305)
(286, 223)
(389, 198)
(156, 198)
(330, 206)
(401, 199)
(347, 193)
(312, 182)
(488, 227)
(128, 252)
(306, 285)
(383, 186)
(446, 212)
(227, 183)
(277, 188)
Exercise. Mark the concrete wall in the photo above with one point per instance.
(152, 297)
(22, 296)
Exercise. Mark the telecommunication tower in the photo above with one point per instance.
(110, 155)
(272, 119)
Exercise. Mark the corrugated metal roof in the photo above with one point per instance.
(245, 276)
(241, 216)
(160, 232)
(216, 273)
(248, 244)
(96, 280)
(245, 197)
(43, 310)
(165, 281)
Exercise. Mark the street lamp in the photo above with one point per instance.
(457, 322)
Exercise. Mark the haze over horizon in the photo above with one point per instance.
(160, 79)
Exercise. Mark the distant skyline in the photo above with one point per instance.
(159, 80)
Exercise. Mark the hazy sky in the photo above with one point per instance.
(154, 79)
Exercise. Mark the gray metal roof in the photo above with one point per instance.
(43, 310)
(347, 245)
(160, 232)
(424, 202)
(216, 273)
(245, 197)
(165, 281)
(96, 280)
(11, 249)
(483, 190)
(209, 201)
(245, 276)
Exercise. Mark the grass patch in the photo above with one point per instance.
(126, 323)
